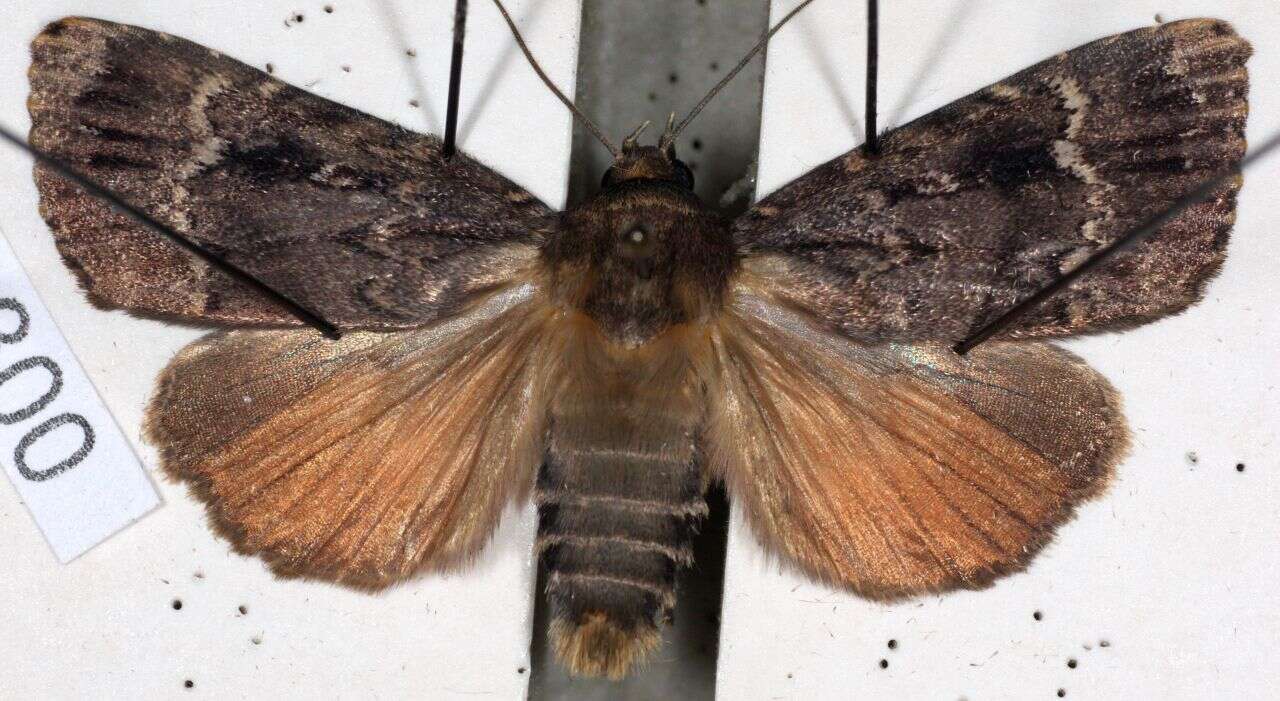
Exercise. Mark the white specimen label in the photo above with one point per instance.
(58, 443)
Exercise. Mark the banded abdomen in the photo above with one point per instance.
(620, 494)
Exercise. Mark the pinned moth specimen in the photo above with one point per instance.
(611, 361)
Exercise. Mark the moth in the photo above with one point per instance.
(613, 360)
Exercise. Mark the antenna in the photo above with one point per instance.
(591, 127)
(671, 135)
(239, 274)
(1201, 193)
(873, 66)
(455, 78)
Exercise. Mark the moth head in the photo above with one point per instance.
(657, 163)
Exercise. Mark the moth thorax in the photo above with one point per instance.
(640, 258)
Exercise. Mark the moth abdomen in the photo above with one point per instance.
(620, 495)
(612, 552)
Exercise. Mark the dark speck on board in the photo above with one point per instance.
(1239, 467)
(189, 684)
(884, 664)
(1038, 616)
(177, 604)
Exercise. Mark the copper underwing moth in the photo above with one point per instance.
(612, 360)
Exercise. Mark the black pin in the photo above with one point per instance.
(239, 274)
(455, 78)
(873, 67)
(1201, 193)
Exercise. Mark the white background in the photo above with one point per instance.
(1177, 566)
(104, 624)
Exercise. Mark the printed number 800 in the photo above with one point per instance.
(37, 405)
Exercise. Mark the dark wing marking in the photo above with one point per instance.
(897, 469)
(364, 460)
(972, 208)
(352, 216)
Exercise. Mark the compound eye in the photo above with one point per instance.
(684, 175)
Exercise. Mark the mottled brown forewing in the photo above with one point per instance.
(355, 218)
(974, 207)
